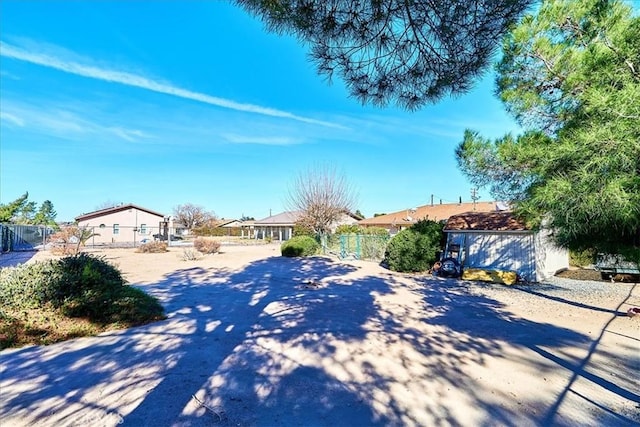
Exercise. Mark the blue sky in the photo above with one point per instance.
(161, 103)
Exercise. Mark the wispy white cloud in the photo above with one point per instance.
(49, 60)
(61, 122)
(131, 135)
(7, 75)
(262, 140)
(11, 118)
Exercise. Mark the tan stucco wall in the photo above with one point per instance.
(128, 220)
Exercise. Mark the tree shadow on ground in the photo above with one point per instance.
(13, 259)
(284, 342)
(461, 310)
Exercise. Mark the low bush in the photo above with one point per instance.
(81, 285)
(68, 240)
(206, 246)
(300, 246)
(301, 229)
(190, 254)
(153, 248)
(414, 249)
(582, 258)
(377, 231)
(348, 229)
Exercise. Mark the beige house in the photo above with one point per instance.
(280, 226)
(122, 224)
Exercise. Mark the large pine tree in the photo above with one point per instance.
(570, 75)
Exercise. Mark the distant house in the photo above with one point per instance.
(397, 221)
(500, 241)
(232, 227)
(280, 226)
(121, 224)
(276, 227)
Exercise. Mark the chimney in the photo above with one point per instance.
(460, 200)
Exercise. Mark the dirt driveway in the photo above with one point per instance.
(254, 339)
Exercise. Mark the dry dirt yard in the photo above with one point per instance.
(254, 339)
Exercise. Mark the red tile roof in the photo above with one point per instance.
(436, 212)
(485, 221)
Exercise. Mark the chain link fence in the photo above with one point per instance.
(15, 237)
(121, 236)
(370, 247)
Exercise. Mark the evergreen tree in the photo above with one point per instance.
(46, 215)
(9, 211)
(570, 75)
(396, 51)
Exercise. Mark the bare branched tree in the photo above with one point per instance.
(192, 216)
(322, 196)
(408, 52)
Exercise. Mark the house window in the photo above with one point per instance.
(116, 228)
(143, 228)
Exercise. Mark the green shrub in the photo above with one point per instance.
(300, 246)
(28, 286)
(214, 230)
(415, 248)
(377, 231)
(81, 285)
(153, 248)
(301, 229)
(348, 229)
(582, 258)
(206, 246)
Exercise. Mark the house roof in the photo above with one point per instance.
(228, 223)
(284, 218)
(436, 212)
(103, 212)
(485, 221)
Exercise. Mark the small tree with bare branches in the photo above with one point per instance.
(192, 216)
(69, 240)
(322, 196)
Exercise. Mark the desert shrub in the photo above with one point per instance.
(300, 246)
(582, 258)
(348, 229)
(377, 231)
(189, 254)
(28, 286)
(373, 246)
(153, 248)
(214, 230)
(206, 246)
(415, 248)
(68, 240)
(302, 229)
(81, 285)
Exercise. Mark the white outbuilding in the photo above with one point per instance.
(500, 241)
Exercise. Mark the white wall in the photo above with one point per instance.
(549, 258)
(533, 256)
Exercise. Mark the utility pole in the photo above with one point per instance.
(474, 196)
